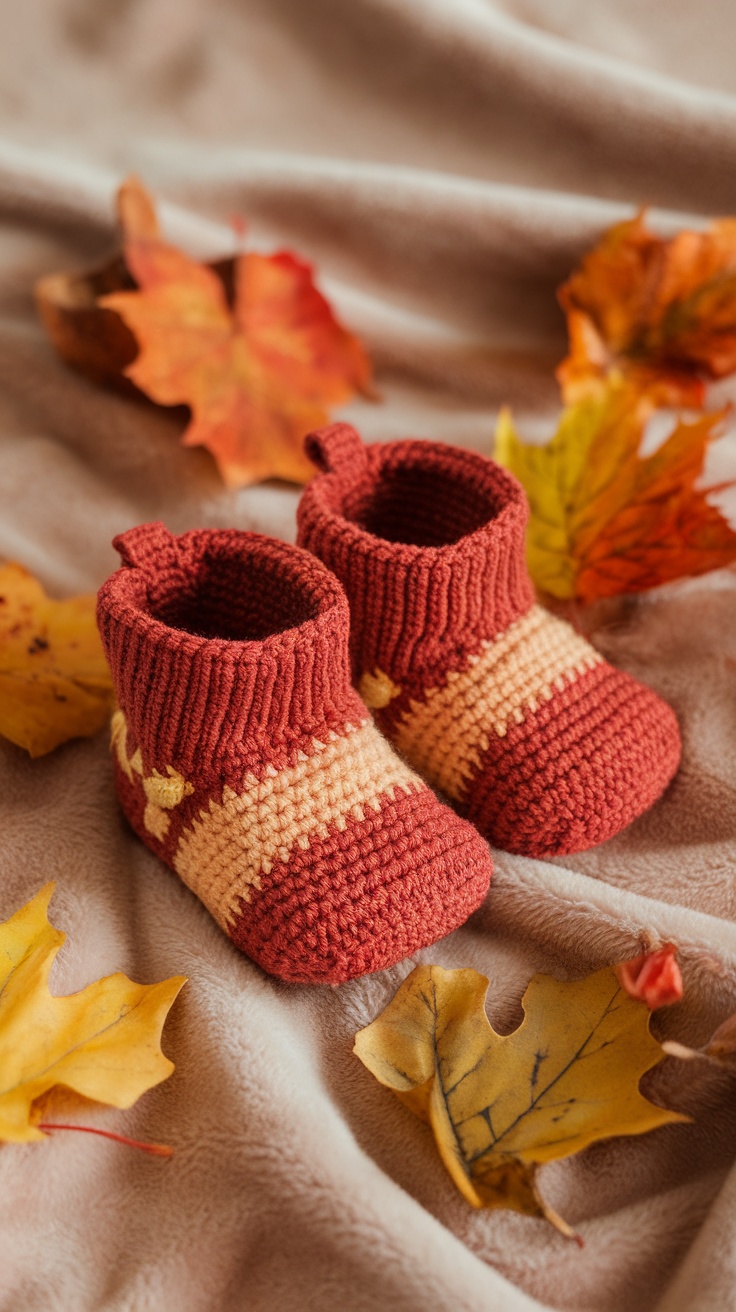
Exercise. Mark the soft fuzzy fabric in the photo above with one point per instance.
(445, 166)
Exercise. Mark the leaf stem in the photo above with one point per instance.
(155, 1149)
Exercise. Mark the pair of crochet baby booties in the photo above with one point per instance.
(285, 713)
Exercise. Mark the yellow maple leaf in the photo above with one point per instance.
(501, 1105)
(103, 1042)
(54, 680)
(603, 519)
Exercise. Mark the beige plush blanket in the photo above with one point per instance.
(444, 165)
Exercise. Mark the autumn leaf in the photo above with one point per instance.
(54, 680)
(258, 373)
(663, 311)
(102, 1043)
(720, 1048)
(87, 337)
(605, 520)
(502, 1105)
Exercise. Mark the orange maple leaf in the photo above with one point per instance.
(606, 520)
(662, 311)
(258, 373)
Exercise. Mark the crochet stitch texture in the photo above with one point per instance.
(247, 762)
(534, 737)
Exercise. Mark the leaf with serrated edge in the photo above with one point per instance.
(662, 310)
(257, 375)
(605, 520)
(55, 683)
(500, 1106)
(103, 1042)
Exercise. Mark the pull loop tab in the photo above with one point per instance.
(147, 547)
(337, 449)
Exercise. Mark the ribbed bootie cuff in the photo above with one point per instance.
(428, 541)
(221, 642)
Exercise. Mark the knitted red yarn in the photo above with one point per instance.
(247, 762)
(535, 738)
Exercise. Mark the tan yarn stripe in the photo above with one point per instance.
(241, 836)
(446, 734)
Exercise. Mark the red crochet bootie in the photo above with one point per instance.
(506, 709)
(247, 762)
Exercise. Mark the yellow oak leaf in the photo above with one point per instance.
(54, 680)
(605, 520)
(501, 1105)
(259, 362)
(102, 1043)
(661, 310)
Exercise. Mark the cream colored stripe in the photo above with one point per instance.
(241, 835)
(445, 735)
